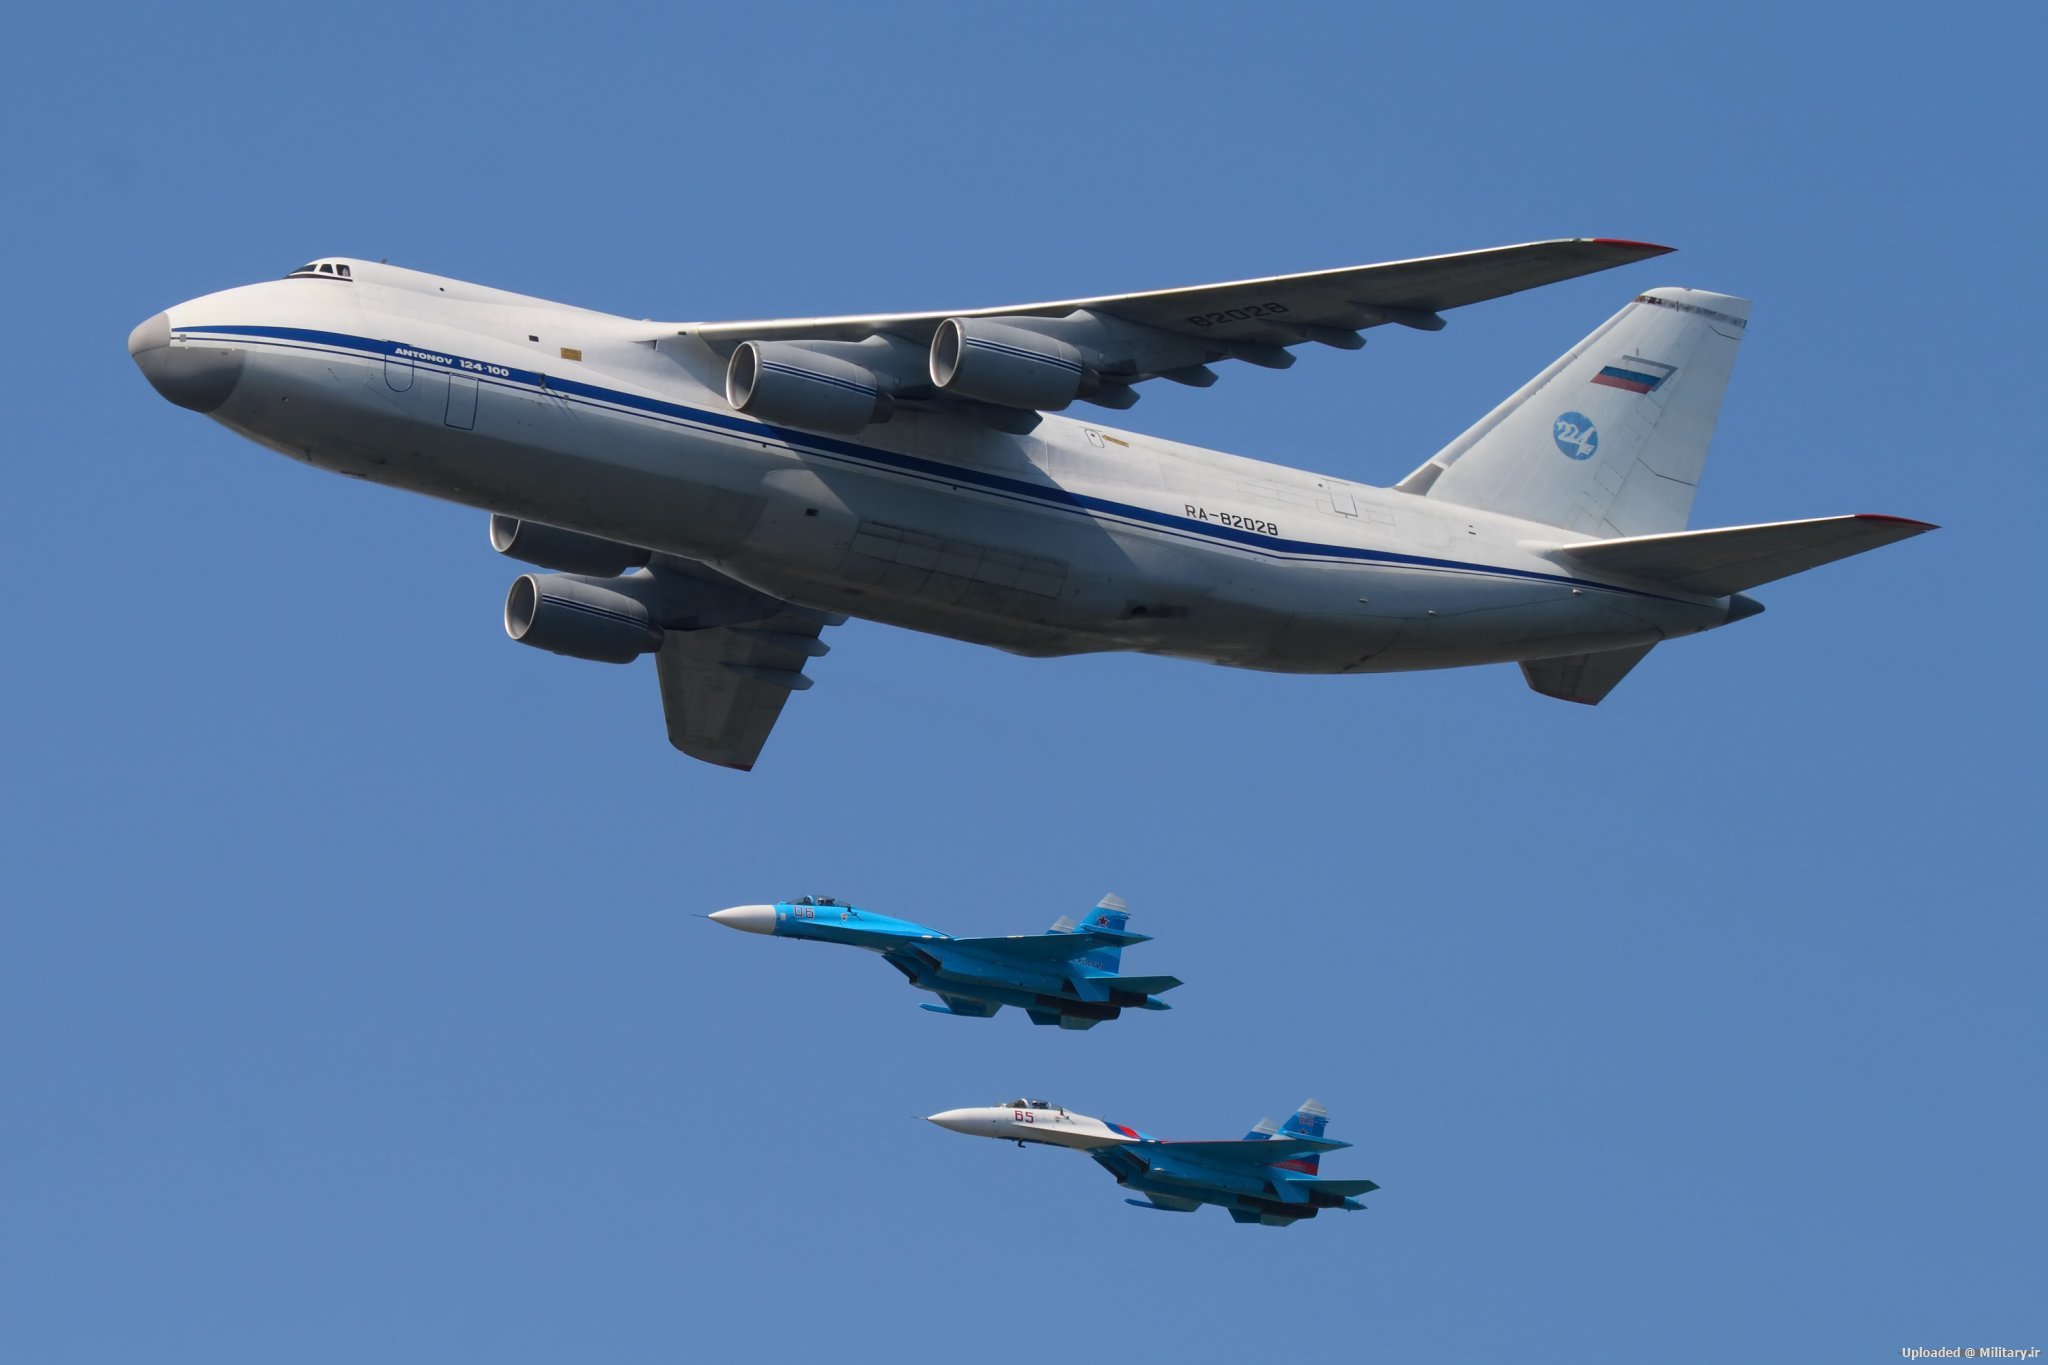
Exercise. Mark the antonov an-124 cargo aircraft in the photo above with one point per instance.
(718, 494)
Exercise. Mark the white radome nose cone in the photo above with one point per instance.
(959, 1120)
(755, 919)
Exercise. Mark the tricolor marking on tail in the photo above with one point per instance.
(1635, 374)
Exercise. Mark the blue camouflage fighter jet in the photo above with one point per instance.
(1065, 976)
(1270, 1175)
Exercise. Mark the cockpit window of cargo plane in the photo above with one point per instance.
(321, 270)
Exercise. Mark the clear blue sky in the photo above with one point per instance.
(354, 1002)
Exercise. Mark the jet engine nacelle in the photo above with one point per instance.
(580, 617)
(616, 620)
(822, 385)
(570, 551)
(1046, 363)
(999, 362)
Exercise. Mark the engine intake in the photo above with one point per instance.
(570, 551)
(581, 618)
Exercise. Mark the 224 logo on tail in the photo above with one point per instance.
(1575, 435)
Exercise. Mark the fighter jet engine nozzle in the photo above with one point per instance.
(997, 362)
(569, 551)
(579, 617)
(752, 919)
(804, 386)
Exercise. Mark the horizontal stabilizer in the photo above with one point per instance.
(1732, 559)
(1585, 678)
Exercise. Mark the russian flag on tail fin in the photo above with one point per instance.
(1635, 374)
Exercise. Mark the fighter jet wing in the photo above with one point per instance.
(722, 688)
(1255, 1151)
(1276, 310)
(1050, 947)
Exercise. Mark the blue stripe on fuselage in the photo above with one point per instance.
(1051, 495)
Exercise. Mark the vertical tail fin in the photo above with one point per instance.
(1109, 913)
(1609, 440)
(1308, 1121)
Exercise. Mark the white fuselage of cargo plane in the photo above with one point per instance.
(1071, 538)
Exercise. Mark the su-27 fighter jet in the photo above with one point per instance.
(1269, 1176)
(717, 494)
(1066, 975)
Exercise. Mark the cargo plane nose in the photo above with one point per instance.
(754, 919)
(197, 377)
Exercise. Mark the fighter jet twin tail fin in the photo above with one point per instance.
(1288, 1155)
